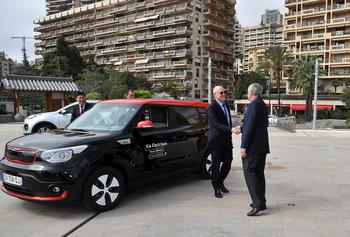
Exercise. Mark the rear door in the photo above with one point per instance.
(162, 144)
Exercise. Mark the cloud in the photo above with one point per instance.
(17, 20)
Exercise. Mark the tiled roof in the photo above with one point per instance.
(38, 83)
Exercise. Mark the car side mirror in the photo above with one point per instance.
(146, 124)
(63, 111)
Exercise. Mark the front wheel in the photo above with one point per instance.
(206, 166)
(103, 189)
(43, 128)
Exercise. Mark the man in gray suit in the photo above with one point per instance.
(254, 147)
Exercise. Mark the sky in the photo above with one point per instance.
(16, 19)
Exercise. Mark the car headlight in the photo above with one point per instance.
(61, 154)
(33, 116)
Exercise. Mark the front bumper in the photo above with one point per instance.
(62, 196)
(43, 182)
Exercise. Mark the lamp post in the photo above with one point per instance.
(209, 79)
(317, 62)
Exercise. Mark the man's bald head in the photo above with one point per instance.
(219, 93)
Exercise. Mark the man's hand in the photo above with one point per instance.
(236, 130)
(243, 153)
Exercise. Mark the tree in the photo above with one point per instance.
(302, 77)
(243, 81)
(277, 56)
(65, 61)
(173, 88)
(336, 84)
(143, 93)
(94, 80)
(346, 98)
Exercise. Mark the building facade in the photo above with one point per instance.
(163, 39)
(55, 6)
(321, 28)
(238, 47)
(5, 65)
(272, 16)
(258, 39)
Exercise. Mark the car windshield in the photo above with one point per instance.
(105, 117)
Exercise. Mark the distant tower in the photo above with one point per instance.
(272, 16)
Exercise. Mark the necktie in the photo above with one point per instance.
(226, 114)
(81, 109)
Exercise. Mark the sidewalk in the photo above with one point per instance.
(308, 194)
(308, 190)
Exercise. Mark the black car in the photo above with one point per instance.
(117, 145)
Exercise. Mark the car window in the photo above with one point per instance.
(106, 117)
(159, 116)
(69, 110)
(203, 114)
(186, 115)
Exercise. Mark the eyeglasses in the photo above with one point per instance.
(222, 93)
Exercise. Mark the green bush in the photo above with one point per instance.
(142, 94)
(324, 114)
(93, 96)
(339, 114)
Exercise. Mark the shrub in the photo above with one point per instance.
(93, 96)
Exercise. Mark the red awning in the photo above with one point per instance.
(276, 105)
(302, 107)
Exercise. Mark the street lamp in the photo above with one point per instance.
(317, 62)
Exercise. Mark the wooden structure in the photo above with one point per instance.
(57, 89)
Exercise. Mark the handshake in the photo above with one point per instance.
(236, 130)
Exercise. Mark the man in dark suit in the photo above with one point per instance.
(254, 147)
(220, 140)
(81, 107)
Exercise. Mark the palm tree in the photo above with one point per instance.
(276, 57)
(302, 77)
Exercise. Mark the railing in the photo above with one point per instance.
(287, 123)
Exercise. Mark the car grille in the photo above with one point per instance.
(20, 155)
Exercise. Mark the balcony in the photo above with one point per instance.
(340, 20)
(289, 2)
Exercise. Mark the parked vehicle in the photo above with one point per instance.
(117, 145)
(50, 120)
(273, 120)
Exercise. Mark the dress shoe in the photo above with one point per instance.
(218, 193)
(224, 189)
(254, 211)
(261, 208)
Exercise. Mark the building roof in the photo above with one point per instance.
(38, 83)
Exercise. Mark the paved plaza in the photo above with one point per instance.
(308, 194)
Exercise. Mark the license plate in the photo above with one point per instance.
(14, 180)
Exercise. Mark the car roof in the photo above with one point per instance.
(157, 102)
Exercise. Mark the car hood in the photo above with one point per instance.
(41, 116)
(58, 139)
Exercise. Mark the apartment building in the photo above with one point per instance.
(5, 65)
(272, 16)
(164, 39)
(321, 28)
(55, 6)
(256, 40)
(238, 47)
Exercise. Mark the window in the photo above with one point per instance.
(197, 94)
(203, 115)
(197, 72)
(69, 110)
(186, 116)
(159, 117)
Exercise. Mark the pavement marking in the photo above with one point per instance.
(81, 224)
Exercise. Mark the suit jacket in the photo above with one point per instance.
(219, 130)
(254, 130)
(76, 111)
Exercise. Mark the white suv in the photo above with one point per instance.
(50, 120)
